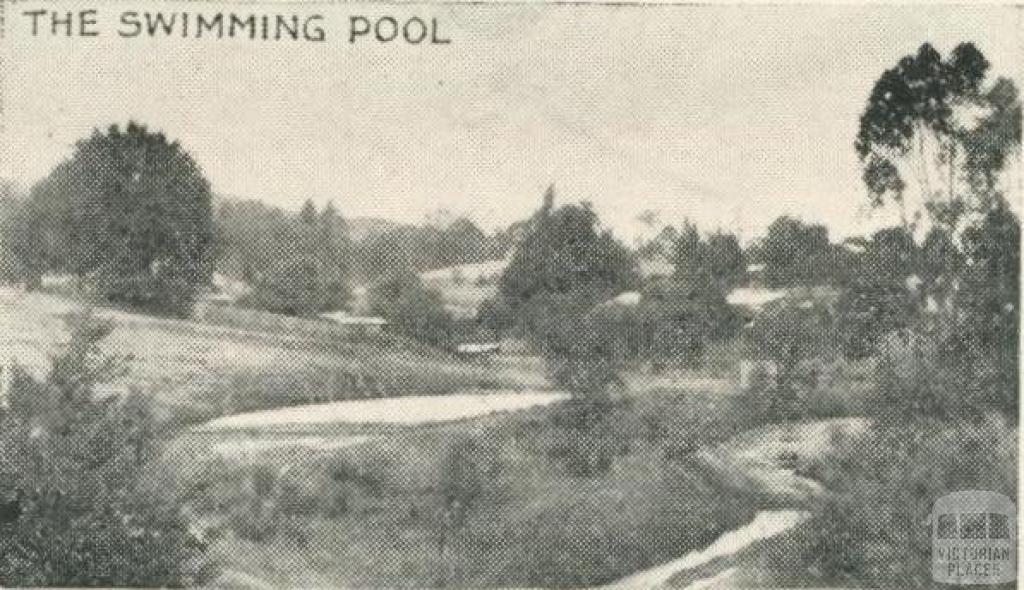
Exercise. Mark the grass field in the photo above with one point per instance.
(199, 371)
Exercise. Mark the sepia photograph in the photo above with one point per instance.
(509, 294)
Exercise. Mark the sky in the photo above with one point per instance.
(726, 115)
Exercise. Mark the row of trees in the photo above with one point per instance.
(131, 215)
(934, 138)
(292, 264)
(416, 248)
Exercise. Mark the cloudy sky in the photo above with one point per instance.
(727, 115)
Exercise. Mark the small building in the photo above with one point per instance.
(478, 349)
(624, 299)
(356, 323)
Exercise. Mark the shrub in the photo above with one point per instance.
(495, 314)
(938, 374)
(80, 507)
(868, 312)
(872, 530)
(586, 437)
(412, 309)
(794, 340)
(680, 317)
(581, 357)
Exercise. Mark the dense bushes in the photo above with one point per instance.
(872, 530)
(80, 507)
(796, 341)
(412, 309)
(438, 244)
(944, 407)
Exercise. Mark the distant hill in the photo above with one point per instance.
(202, 369)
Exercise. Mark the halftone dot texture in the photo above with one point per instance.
(769, 451)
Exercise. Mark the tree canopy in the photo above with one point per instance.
(565, 253)
(294, 264)
(719, 259)
(933, 125)
(796, 253)
(419, 248)
(130, 211)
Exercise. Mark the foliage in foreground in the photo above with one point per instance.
(456, 506)
(872, 530)
(75, 506)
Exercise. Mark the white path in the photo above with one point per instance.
(408, 410)
(766, 524)
(752, 459)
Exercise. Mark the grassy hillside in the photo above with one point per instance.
(464, 287)
(199, 371)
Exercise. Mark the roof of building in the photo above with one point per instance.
(342, 317)
(477, 347)
(753, 298)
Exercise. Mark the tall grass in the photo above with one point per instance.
(477, 504)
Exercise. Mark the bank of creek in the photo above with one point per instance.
(755, 460)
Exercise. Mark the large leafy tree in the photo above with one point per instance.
(564, 253)
(563, 266)
(940, 125)
(130, 212)
(934, 136)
